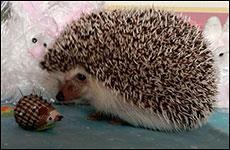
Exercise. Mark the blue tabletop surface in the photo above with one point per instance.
(75, 131)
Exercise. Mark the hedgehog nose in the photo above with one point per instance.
(60, 96)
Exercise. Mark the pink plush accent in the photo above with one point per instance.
(47, 23)
(50, 26)
(37, 51)
(31, 7)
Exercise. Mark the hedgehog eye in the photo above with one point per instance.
(34, 40)
(45, 45)
(50, 118)
(221, 54)
(81, 77)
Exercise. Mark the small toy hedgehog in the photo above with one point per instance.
(35, 113)
(151, 68)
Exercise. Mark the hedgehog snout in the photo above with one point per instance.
(71, 90)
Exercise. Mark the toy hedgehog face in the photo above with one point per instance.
(49, 115)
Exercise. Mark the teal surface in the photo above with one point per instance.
(75, 131)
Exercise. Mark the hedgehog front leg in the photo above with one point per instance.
(99, 116)
(117, 121)
(96, 116)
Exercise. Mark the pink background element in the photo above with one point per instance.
(200, 18)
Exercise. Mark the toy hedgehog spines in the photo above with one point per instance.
(32, 112)
(167, 72)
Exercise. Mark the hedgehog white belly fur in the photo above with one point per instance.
(151, 68)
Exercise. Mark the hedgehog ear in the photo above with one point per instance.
(42, 111)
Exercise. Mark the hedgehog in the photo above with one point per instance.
(32, 112)
(150, 68)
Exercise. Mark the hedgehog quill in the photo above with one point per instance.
(151, 68)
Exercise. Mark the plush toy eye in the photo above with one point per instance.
(221, 54)
(45, 45)
(81, 77)
(34, 40)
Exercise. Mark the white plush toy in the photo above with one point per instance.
(30, 27)
(218, 36)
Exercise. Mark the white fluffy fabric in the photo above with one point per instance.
(19, 69)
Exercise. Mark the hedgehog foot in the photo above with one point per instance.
(117, 121)
(99, 116)
(96, 116)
